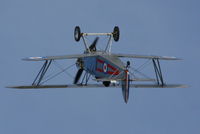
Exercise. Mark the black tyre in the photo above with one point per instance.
(106, 83)
(116, 33)
(77, 33)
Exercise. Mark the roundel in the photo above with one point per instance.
(105, 67)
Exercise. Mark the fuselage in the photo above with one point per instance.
(107, 67)
(104, 65)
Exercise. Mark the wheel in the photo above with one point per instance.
(106, 83)
(77, 33)
(116, 33)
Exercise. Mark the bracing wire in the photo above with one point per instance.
(144, 65)
(55, 75)
(61, 68)
(137, 70)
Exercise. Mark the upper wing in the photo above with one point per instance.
(146, 56)
(58, 57)
(91, 54)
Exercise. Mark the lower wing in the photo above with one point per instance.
(99, 85)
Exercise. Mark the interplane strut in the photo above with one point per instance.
(158, 72)
(41, 73)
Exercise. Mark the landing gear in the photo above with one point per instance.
(106, 83)
(77, 33)
(116, 33)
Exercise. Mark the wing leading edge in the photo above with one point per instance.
(75, 56)
(146, 56)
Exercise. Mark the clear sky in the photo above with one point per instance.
(45, 27)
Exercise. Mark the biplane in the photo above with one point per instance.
(107, 69)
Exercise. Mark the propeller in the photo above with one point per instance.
(79, 61)
(93, 45)
(78, 75)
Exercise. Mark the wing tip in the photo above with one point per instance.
(172, 58)
(166, 57)
(33, 58)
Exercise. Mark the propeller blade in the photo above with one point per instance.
(125, 86)
(78, 75)
(93, 45)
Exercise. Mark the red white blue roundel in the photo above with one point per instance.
(105, 67)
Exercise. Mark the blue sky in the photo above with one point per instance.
(45, 27)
